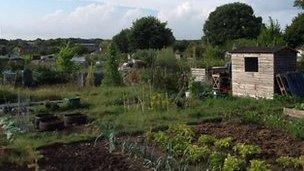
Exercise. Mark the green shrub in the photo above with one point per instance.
(246, 150)
(148, 55)
(216, 161)
(257, 165)
(200, 90)
(233, 163)
(206, 140)
(288, 162)
(48, 76)
(223, 144)
(195, 153)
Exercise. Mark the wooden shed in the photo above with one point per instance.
(254, 70)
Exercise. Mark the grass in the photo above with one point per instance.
(128, 110)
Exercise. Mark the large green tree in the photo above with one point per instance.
(231, 21)
(295, 32)
(150, 33)
(122, 41)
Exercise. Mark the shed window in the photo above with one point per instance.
(251, 64)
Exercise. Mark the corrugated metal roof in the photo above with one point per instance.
(261, 49)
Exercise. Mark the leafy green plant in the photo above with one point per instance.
(223, 144)
(216, 161)
(288, 162)
(63, 59)
(233, 163)
(195, 153)
(258, 165)
(301, 161)
(162, 139)
(112, 76)
(246, 150)
(206, 140)
(300, 106)
(181, 136)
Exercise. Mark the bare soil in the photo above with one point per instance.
(86, 156)
(273, 142)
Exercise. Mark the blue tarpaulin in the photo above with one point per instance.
(294, 83)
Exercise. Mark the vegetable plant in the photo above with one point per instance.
(288, 162)
(246, 150)
(216, 161)
(233, 163)
(195, 153)
(223, 144)
(206, 140)
(258, 165)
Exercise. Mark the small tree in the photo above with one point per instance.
(112, 76)
(271, 35)
(63, 59)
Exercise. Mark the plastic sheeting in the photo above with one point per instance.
(294, 83)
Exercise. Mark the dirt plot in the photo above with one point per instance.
(86, 156)
(274, 143)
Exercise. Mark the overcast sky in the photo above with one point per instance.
(31, 19)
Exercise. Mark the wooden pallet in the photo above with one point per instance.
(281, 85)
(216, 81)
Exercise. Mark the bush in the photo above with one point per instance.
(149, 56)
(233, 164)
(200, 90)
(47, 76)
(257, 165)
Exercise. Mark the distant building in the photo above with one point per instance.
(48, 58)
(81, 60)
(254, 70)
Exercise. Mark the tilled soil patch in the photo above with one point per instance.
(86, 156)
(274, 143)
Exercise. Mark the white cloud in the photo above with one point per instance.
(105, 18)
